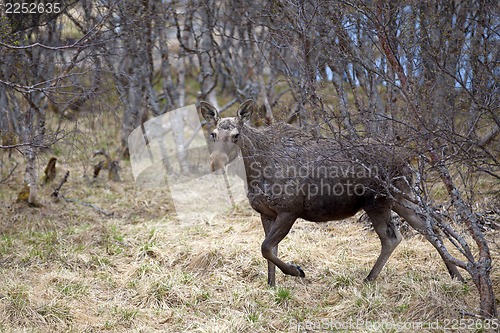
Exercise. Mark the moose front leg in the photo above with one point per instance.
(276, 230)
(271, 269)
(267, 222)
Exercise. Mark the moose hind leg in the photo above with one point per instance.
(389, 236)
(267, 223)
(278, 230)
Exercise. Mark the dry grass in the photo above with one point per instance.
(65, 267)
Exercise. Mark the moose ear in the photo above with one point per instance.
(245, 111)
(209, 112)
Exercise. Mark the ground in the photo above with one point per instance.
(67, 267)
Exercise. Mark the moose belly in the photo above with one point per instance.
(307, 202)
(323, 209)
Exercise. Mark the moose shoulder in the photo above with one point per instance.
(292, 175)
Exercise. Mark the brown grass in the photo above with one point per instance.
(65, 267)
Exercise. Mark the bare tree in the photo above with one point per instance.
(32, 82)
(28, 75)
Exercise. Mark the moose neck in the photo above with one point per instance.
(255, 145)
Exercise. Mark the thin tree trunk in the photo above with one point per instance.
(205, 47)
(338, 84)
(478, 269)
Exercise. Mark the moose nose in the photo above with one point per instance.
(217, 162)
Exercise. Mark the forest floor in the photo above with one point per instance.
(67, 267)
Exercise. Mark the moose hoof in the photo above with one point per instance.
(301, 272)
(368, 279)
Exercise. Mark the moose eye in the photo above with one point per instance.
(213, 135)
(235, 137)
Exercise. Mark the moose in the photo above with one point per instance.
(291, 174)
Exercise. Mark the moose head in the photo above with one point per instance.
(226, 135)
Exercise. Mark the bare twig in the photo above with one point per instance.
(103, 153)
(58, 188)
(10, 173)
(83, 203)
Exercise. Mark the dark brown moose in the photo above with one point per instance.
(291, 174)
